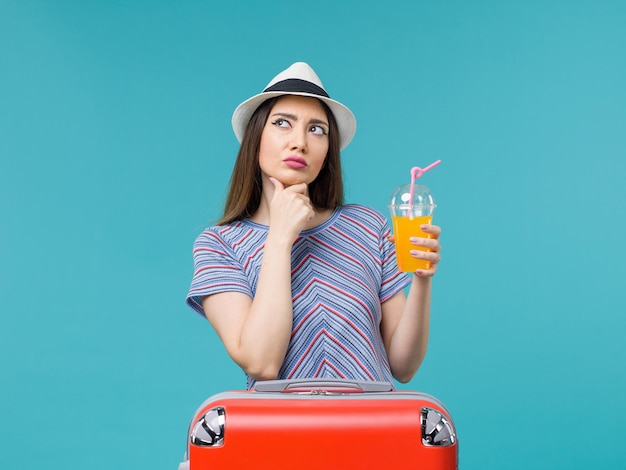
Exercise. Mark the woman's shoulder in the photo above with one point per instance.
(364, 214)
(239, 233)
(367, 218)
(221, 232)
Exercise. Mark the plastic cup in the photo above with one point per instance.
(407, 217)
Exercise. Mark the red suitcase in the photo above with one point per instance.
(321, 423)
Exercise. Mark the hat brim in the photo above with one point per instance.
(346, 122)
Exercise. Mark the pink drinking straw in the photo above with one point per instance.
(417, 172)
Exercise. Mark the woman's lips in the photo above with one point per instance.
(295, 162)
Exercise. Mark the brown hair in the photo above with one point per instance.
(244, 194)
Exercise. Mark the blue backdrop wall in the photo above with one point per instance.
(116, 149)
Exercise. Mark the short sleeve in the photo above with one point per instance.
(393, 281)
(216, 270)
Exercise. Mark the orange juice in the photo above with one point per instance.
(403, 229)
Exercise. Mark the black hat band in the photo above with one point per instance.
(296, 85)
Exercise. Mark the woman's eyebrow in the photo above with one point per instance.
(293, 117)
(318, 121)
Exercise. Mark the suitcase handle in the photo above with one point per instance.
(321, 386)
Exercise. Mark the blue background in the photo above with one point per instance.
(116, 149)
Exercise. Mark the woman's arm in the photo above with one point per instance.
(256, 332)
(406, 321)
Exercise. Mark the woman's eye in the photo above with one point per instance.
(318, 130)
(281, 123)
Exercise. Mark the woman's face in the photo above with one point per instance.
(294, 142)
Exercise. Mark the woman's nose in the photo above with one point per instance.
(299, 141)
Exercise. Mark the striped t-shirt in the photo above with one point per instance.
(341, 272)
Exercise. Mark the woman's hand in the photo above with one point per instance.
(290, 209)
(431, 244)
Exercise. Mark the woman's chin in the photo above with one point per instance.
(290, 180)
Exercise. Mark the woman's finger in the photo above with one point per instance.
(434, 230)
(426, 272)
(429, 243)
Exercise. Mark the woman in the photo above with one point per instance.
(296, 283)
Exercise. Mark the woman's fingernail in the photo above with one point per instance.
(413, 239)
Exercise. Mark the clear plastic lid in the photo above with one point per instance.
(421, 196)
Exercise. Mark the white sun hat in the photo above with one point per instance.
(298, 79)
